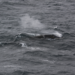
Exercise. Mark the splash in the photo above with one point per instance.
(31, 24)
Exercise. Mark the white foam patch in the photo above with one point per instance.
(30, 23)
(37, 48)
(12, 66)
(57, 34)
(23, 44)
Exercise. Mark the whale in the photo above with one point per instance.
(53, 35)
(43, 35)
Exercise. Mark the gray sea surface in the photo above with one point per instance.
(37, 56)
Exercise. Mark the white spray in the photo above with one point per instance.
(30, 23)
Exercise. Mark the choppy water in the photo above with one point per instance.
(38, 56)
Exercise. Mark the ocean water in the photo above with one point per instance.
(34, 56)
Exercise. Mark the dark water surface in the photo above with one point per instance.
(39, 56)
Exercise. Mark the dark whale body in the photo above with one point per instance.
(40, 36)
(47, 36)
